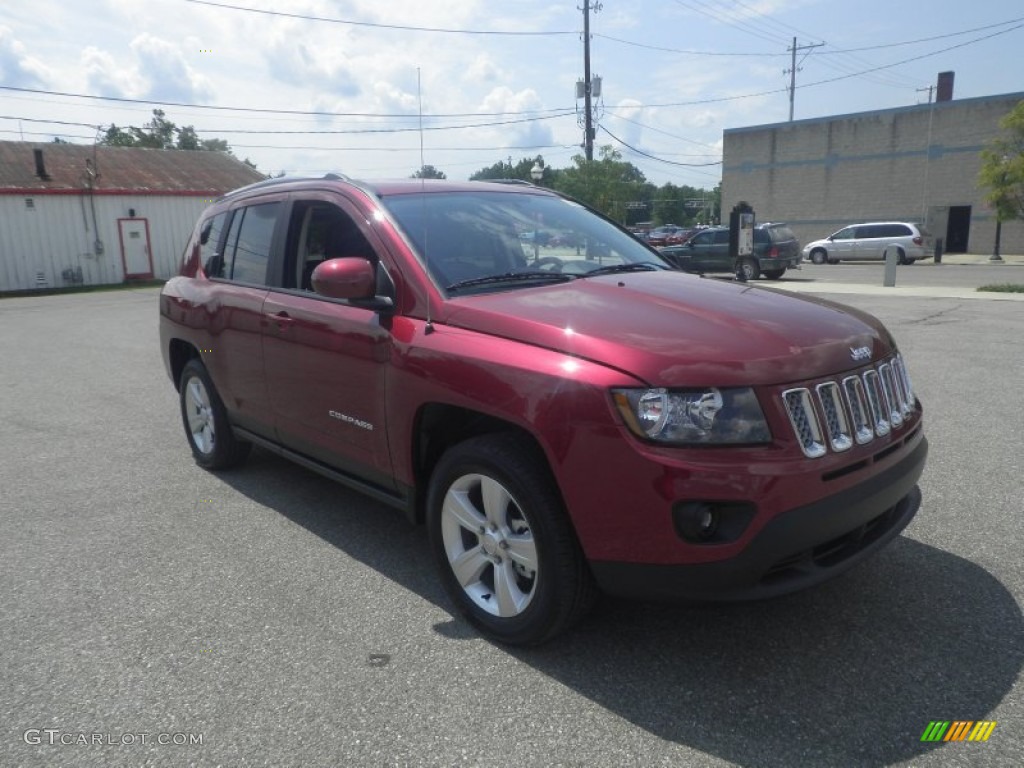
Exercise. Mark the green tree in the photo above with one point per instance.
(428, 172)
(1002, 167)
(161, 133)
(506, 170)
(608, 184)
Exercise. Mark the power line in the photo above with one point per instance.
(267, 110)
(375, 25)
(631, 148)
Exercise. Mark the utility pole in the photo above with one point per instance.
(930, 88)
(588, 116)
(793, 70)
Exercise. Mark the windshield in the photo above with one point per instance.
(463, 237)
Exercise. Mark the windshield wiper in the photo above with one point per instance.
(512, 277)
(611, 269)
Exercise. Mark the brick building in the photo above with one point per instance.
(916, 164)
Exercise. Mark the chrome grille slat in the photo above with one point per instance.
(837, 414)
(836, 423)
(804, 421)
(862, 429)
(879, 408)
(892, 398)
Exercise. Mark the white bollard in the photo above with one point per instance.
(890, 268)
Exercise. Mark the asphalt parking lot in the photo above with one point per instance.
(282, 620)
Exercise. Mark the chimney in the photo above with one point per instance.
(40, 166)
(944, 91)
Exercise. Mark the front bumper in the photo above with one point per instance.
(797, 549)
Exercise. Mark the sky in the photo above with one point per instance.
(375, 88)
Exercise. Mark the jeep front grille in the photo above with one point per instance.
(857, 410)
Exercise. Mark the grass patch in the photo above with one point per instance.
(83, 289)
(1003, 288)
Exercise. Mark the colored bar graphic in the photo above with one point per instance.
(982, 730)
(935, 731)
(958, 730)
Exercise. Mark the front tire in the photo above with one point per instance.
(507, 554)
(207, 428)
(818, 256)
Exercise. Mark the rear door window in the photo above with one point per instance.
(250, 240)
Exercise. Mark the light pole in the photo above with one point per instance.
(537, 173)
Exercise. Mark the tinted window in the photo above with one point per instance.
(468, 235)
(252, 233)
(722, 236)
(209, 245)
(779, 234)
(845, 234)
(896, 230)
(870, 230)
(702, 238)
(320, 231)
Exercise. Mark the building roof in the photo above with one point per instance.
(119, 170)
(952, 104)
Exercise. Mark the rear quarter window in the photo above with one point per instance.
(209, 245)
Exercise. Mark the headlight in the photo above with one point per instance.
(695, 416)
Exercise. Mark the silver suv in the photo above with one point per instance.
(870, 242)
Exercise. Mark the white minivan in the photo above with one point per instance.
(870, 242)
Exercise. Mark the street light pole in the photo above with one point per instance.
(537, 174)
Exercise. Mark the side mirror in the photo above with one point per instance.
(350, 278)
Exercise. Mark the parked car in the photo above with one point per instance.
(661, 235)
(679, 237)
(776, 249)
(586, 419)
(871, 241)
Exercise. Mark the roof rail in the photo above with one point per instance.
(329, 176)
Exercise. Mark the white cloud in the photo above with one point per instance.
(168, 76)
(105, 78)
(16, 67)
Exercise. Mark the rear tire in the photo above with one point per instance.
(774, 274)
(505, 549)
(207, 428)
(749, 269)
(901, 257)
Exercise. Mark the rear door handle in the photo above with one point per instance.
(281, 319)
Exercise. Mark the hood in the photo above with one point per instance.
(673, 329)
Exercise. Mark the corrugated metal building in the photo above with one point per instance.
(81, 215)
(917, 164)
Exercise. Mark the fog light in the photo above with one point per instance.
(696, 521)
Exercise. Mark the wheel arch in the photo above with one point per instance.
(179, 353)
(438, 427)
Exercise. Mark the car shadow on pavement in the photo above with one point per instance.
(849, 673)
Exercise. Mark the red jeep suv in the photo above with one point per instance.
(564, 420)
